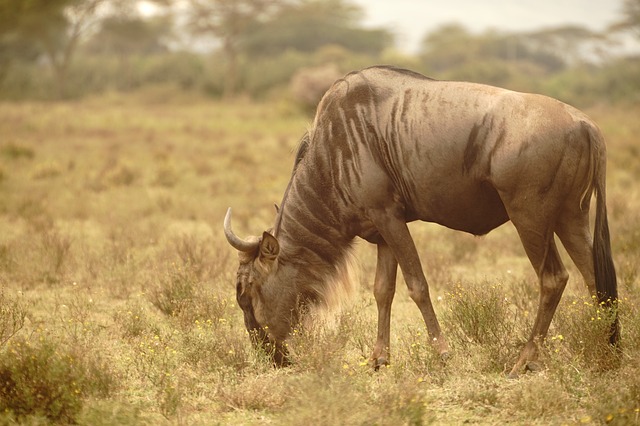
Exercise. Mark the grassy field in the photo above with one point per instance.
(117, 301)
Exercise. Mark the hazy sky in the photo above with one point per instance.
(410, 20)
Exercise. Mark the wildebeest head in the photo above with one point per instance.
(258, 264)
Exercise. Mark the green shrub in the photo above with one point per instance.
(45, 379)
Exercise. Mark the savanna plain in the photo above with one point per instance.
(117, 300)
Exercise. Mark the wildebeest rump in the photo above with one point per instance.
(390, 146)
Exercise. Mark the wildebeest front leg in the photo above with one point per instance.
(384, 289)
(395, 232)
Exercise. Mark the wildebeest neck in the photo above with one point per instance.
(310, 231)
(302, 150)
(312, 264)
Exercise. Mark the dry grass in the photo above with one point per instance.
(118, 300)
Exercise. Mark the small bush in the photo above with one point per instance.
(12, 315)
(181, 291)
(582, 333)
(55, 250)
(415, 352)
(538, 396)
(616, 400)
(167, 175)
(157, 361)
(216, 346)
(309, 84)
(41, 256)
(324, 339)
(32, 207)
(180, 296)
(479, 316)
(201, 257)
(121, 174)
(6, 260)
(175, 291)
(134, 322)
(46, 170)
(257, 393)
(15, 151)
(47, 380)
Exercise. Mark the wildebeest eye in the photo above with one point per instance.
(243, 281)
(242, 296)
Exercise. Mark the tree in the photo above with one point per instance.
(631, 17)
(493, 56)
(126, 35)
(22, 24)
(449, 46)
(570, 43)
(53, 27)
(60, 46)
(228, 21)
(309, 25)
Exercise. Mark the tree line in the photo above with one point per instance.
(56, 49)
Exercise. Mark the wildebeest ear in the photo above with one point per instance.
(277, 208)
(269, 247)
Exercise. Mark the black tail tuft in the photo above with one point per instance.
(605, 273)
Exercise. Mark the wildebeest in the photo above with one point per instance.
(389, 146)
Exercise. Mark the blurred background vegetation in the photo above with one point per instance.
(65, 49)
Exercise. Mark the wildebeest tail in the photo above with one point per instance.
(605, 273)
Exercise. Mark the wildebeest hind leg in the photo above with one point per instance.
(576, 238)
(384, 289)
(393, 229)
(552, 277)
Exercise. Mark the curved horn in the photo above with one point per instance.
(235, 241)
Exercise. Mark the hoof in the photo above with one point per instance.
(445, 356)
(513, 376)
(533, 366)
(379, 362)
